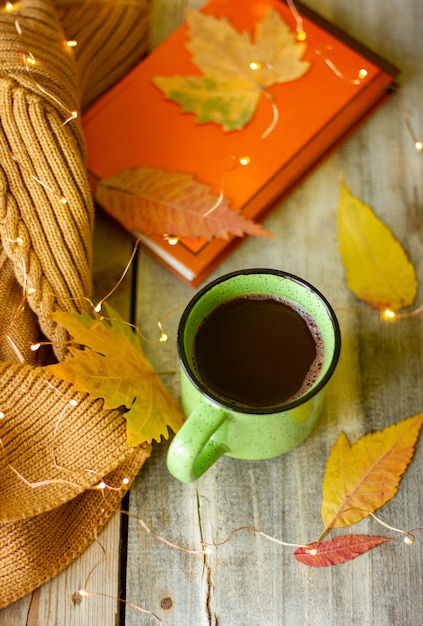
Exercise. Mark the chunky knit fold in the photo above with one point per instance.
(56, 444)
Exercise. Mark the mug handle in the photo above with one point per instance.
(193, 450)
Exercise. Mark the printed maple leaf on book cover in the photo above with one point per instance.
(201, 138)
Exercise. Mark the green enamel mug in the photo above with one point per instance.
(221, 421)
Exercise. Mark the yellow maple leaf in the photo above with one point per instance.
(361, 478)
(111, 365)
(377, 267)
(235, 70)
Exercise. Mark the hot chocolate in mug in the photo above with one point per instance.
(257, 348)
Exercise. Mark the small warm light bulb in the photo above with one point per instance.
(2, 415)
(163, 337)
(301, 35)
(63, 200)
(172, 241)
(101, 486)
(30, 60)
(73, 402)
(83, 593)
(125, 481)
(255, 66)
(72, 43)
(419, 146)
(30, 291)
(313, 551)
(35, 347)
(8, 6)
(363, 74)
(409, 540)
(389, 315)
(97, 307)
(244, 160)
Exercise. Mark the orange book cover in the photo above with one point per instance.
(134, 125)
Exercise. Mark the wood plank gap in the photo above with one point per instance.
(124, 519)
(124, 522)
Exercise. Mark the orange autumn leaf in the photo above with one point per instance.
(153, 201)
(361, 478)
(378, 270)
(337, 550)
(111, 365)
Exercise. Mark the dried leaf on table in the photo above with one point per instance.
(152, 201)
(361, 478)
(235, 70)
(377, 268)
(111, 365)
(337, 550)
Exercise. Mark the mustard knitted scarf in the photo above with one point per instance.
(46, 226)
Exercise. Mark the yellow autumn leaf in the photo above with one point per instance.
(235, 70)
(275, 55)
(110, 364)
(378, 270)
(360, 478)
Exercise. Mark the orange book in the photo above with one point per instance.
(134, 125)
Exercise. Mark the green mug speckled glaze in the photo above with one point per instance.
(216, 426)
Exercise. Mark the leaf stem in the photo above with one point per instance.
(324, 534)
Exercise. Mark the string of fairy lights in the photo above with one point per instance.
(29, 62)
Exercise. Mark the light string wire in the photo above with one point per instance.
(30, 61)
(96, 307)
(245, 159)
(310, 548)
(72, 403)
(78, 596)
(362, 74)
(103, 487)
(207, 546)
(390, 315)
(409, 538)
(237, 160)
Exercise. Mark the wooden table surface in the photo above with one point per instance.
(250, 580)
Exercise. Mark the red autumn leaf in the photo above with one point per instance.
(152, 201)
(337, 550)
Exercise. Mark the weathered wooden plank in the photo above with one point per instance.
(251, 580)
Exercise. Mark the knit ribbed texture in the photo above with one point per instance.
(56, 444)
(34, 550)
(69, 450)
(122, 41)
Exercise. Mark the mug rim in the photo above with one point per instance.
(241, 408)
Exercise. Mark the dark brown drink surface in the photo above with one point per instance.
(256, 351)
